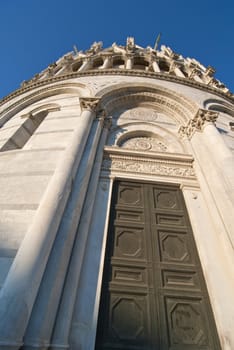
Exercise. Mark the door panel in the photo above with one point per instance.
(153, 291)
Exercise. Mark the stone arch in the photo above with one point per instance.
(75, 89)
(27, 125)
(219, 106)
(173, 104)
(44, 107)
(162, 140)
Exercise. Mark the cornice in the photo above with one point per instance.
(123, 72)
(170, 157)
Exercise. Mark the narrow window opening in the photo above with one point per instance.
(118, 62)
(140, 63)
(98, 62)
(24, 132)
(164, 66)
(76, 66)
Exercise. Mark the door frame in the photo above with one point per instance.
(166, 169)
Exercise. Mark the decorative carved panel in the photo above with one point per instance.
(186, 323)
(140, 113)
(165, 199)
(131, 326)
(129, 195)
(173, 248)
(149, 144)
(136, 164)
(128, 242)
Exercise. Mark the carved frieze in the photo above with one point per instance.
(114, 163)
(202, 117)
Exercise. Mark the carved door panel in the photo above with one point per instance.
(153, 291)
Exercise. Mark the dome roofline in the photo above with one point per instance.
(34, 83)
(131, 57)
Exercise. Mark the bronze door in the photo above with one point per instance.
(153, 292)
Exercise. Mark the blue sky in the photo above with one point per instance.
(35, 33)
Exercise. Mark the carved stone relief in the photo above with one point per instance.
(143, 136)
(134, 164)
(149, 144)
(140, 113)
(198, 122)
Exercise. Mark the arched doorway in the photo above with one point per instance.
(153, 291)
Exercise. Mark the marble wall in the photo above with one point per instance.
(56, 187)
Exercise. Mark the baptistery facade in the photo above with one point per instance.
(116, 232)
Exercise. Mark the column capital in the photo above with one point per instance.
(206, 115)
(198, 122)
(89, 103)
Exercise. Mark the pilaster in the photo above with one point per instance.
(213, 156)
(85, 65)
(129, 61)
(175, 67)
(66, 310)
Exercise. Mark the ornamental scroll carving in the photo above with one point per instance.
(202, 117)
(136, 165)
(149, 144)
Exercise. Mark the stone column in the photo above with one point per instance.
(62, 70)
(84, 328)
(106, 63)
(176, 69)
(213, 156)
(195, 74)
(44, 311)
(85, 65)
(129, 62)
(20, 289)
(66, 309)
(210, 214)
(155, 66)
